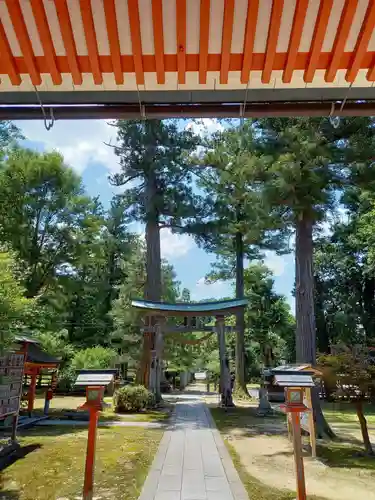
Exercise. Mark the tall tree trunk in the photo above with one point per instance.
(305, 314)
(240, 383)
(321, 323)
(109, 297)
(152, 290)
(368, 308)
(364, 429)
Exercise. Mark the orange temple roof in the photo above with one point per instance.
(184, 52)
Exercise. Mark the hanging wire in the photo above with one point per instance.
(142, 109)
(48, 121)
(335, 120)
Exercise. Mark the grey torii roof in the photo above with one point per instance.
(223, 307)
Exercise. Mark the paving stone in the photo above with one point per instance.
(167, 495)
(170, 482)
(192, 462)
(216, 484)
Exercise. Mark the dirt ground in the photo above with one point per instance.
(270, 459)
(267, 454)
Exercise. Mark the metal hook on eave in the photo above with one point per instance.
(142, 107)
(334, 120)
(48, 121)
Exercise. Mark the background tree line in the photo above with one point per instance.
(69, 267)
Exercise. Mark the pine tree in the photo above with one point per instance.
(153, 156)
(299, 186)
(232, 222)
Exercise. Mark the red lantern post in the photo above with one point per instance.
(294, 405)
(94, 403)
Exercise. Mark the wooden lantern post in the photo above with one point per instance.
(94, 397)
(294, 406)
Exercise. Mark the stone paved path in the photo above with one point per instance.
(192, 462)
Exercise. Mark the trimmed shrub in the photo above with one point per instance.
(66, 380)
(133, 398)
(94, 358)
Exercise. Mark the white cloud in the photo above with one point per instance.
(276, 263)
(175, 245)
(205, 126)
(79, 141)
(205, 290)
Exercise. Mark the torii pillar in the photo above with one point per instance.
(225, 382)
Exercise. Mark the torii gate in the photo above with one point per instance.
(156, 314)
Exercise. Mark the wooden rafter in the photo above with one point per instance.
(135, 33)
(113, 40)
(91, 42)
(41, 22)
(16, 16)
(360, 49)
(204, 32)
(295, 39)
(181, 40)
(157, 21)
(226, 43)
(342, 34)
(273, 35)
(251, 23)
(7, 57)
(68, 40)
(318, 39)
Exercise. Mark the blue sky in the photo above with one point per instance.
(82, 144)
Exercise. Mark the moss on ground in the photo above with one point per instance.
(50, 465)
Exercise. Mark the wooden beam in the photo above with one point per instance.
(68, 40)
(346, 21)
(204, 32)
(135, 33)
(318, 39)
(6, 57)
(295, 38)
(248, 50)
(272, 39)
(16, 16)
(157, 21)
(226, 43)
(181, 40)
(46, 39)
(91, 42)
(113, 40)
(360, 49)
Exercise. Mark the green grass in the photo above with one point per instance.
(53, 463)
(241, 417)
(255, 488)
(345, 455)
(345, 412)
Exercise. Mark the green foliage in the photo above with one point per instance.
(13, 304)
(66, 379)
(157, 151)
(56, 344)
(41, 209)
(133, 399)
(94, 357)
